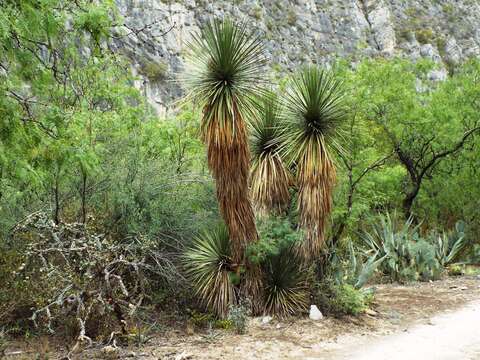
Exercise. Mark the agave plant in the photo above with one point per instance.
(286, 290)
(270, 178)
(311, 132)
(210, 267)
(449, 245)
(224, 76)
(402, 254)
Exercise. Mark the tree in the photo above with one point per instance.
(225, 77)
(423, 123)
(58, 102)
(358, 163)
(270, 179)
(314, 113)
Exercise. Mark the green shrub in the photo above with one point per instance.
(348, 300)
(342, 299)
(425, 36)
(292, 16)
(456, 270)
(276, 234)
(238, 317)
(154, 70)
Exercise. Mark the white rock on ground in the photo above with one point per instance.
(315, 314)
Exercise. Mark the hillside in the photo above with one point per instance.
(302, 31)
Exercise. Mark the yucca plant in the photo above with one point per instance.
(270, 179)
(311, 132)
(210, 268)
(224, 76)
(286, 290)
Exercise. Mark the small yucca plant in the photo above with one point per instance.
(286, 290)
(270, 179)
(311, 131)
(210, 268)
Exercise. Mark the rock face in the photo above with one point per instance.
(299, 32)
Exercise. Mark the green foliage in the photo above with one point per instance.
(405, 256)
(449, 245)
(154, 70)
(238, 317)
(342, 299)
(456, 270)
(314, 114)
(425, 36)
(225, 67)
(78, 142)
(276, 234)
(348, 300)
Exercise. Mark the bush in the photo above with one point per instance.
(276, 234)
(86, 284)
(424, 36)
(342, 299)
(154, 70)
(238, 317)
(348, 300)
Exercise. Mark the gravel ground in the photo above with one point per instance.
(410, 321)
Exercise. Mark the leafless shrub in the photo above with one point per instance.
(84, 277)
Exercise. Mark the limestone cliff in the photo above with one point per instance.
(301, 31)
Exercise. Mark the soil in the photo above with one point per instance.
(397, 309)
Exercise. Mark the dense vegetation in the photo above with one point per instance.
(108, 212)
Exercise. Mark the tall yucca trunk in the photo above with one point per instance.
(229, 161)
(269, 185)
(316, 178)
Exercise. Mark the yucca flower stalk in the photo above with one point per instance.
(311, 133)
(270, 179)
(224, 76)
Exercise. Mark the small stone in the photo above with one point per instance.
(371, 312)
(464, 288)
(110, 352)
(183, 356)
(315, 313)
(109, 349)
(266, 320)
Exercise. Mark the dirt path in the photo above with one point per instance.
(408, 322)
(401, 323)
(450, 336)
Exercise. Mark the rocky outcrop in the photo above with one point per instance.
(299, 32)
